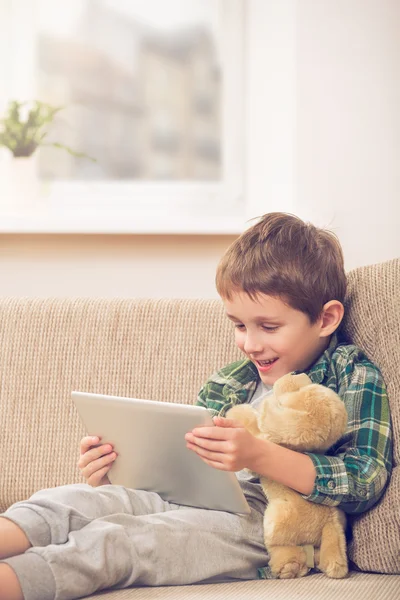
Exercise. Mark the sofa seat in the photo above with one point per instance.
(357, 586)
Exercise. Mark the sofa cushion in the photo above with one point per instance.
(358, 586)
(373, 322)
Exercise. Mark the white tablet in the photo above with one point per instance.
(149, 437)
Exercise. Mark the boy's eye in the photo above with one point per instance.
(265, 327)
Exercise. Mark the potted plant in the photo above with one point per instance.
(22, 137)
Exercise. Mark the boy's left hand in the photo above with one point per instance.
(228, 446)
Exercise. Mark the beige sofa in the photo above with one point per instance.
(164, 350)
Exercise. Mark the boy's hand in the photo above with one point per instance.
(228, 446)
(95, 461)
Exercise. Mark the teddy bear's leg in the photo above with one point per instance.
(332, 559)
(246, 415)
(287, 562)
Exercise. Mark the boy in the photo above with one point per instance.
(283, 286)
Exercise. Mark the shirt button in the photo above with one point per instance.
(331, 484)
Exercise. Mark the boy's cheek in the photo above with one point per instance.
(239, 341)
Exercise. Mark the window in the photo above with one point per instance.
(153, 91)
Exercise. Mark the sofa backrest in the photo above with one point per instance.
(373, 323)
(155, 349)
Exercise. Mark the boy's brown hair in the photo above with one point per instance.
(284, 257)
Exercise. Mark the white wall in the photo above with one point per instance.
(324, 119)
(348, 122)
(110, 265)
(323, 141)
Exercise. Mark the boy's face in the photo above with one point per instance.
(268, 329)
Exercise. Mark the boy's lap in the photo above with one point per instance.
(115, 499)
(103, 500)
(119, 505)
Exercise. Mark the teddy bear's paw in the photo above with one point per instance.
(288, 562)
(334, 567)
(336, 570)
(292, 570)
(246, 415)
(240, 412)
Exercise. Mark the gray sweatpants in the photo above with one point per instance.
(86, 539)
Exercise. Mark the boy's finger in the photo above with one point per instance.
(212, 433)
(91, 443)
(87, 442)
(95, 479)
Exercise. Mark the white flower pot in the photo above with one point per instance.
(19, 185)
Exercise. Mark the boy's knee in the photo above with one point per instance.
(61, 491)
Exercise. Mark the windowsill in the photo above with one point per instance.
(122, 207)
(105, 224)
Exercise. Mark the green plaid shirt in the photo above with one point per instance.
(354, 472)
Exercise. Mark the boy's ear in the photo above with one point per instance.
(332, 315)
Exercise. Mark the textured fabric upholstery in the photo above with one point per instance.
(373, 323)
(156, 349)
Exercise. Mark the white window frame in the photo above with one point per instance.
(107, 207)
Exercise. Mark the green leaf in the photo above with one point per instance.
(72, 152)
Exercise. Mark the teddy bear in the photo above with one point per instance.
(304, 417)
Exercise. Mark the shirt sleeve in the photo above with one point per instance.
(229, 386)
(354, 473)
(211, 397)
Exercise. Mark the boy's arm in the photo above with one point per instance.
(291, 468)
(230, 385)
(214, 403)
(355, 476)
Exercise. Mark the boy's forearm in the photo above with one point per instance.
(294, 469)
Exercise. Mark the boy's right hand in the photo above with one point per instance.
(95, 461)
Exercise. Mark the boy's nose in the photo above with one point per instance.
(252, 345)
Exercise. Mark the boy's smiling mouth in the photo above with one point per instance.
(265, 365)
